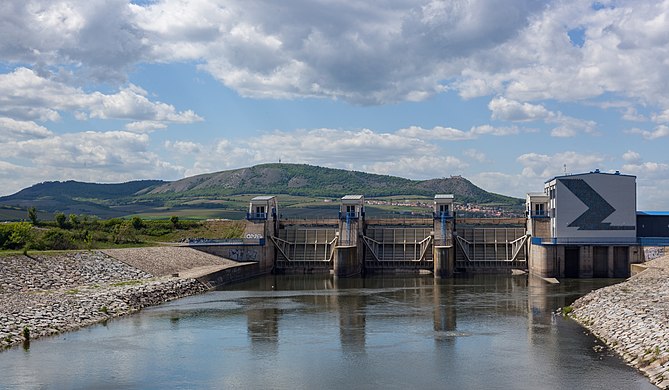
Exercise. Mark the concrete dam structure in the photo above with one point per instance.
(350, 243)
(581, 226)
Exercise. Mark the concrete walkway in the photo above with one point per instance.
(167, 260)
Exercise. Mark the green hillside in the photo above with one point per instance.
(309, 180)
(225, 194)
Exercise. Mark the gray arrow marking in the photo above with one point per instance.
(598, 208)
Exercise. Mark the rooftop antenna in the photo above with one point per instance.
(565, 169)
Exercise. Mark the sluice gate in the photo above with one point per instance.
(407, 247)
(491, 248)
(299, 246)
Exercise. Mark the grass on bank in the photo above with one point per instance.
(81, 232)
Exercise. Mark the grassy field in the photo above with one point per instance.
(20, 237)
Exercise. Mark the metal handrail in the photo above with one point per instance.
(256, 216)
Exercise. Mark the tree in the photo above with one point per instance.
(175, 220)
(74, 220)
(32, 215)
(60, 220)
(137, 223)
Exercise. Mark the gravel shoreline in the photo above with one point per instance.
(632, 318)
(58, 293)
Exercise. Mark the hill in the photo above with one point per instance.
(212, 190)
(309, 180)
(75, 197)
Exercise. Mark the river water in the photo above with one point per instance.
(315, 332)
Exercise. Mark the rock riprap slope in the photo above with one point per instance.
(632, 318)
(48, 294)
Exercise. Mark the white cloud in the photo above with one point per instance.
(418, 166)
(144, 126)
(546, 166)
(542, 62)
(631, 156)
(364, 149)
(492, 130)
(451, 134)
(28, 96)
(659, 132)
(90, 156)
(507, 184)
(475, 155)
(334, 49)
(437, 133)
(13, 129)
(648, 170)
(662, 117)
(511, 110)
(184, 147)
(359, 52)
(652, 182)
(99, 38)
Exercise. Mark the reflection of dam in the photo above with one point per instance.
(360, 305)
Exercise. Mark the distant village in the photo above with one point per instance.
(461, 209)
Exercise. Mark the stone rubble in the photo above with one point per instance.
(632, 318)
(58, 293)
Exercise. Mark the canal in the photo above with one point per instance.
(314, 332)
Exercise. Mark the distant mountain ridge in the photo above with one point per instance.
(271, 179)
(310, 180)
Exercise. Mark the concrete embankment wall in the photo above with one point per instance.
(631, 318)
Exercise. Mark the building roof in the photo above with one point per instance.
(353, 197)
(595, 172)
(262, 198)
(654, 213)
(444, 196)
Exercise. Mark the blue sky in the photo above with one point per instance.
(505, 93)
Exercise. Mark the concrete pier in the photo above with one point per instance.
(346, 261)
(444, 262)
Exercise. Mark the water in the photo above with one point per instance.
(295, 332)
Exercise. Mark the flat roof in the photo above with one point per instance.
(595, 172)
(658, 213)
(444, 196)
(352, 197)
(263, 198)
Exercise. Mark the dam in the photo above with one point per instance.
(581, 226)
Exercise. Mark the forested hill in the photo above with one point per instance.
(136, 197)
(309, 180)
(76, 189)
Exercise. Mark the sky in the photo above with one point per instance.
(507, 93)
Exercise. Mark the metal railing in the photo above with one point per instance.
(442, 214)
(256, 216)
(348, 215)
(586, 241)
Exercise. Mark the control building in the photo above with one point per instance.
(584, 225)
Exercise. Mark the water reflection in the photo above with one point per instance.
(317, 332)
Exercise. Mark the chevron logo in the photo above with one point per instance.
(598, 208)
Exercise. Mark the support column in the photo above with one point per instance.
(348, 258)
(346, 261)
(444, 261)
